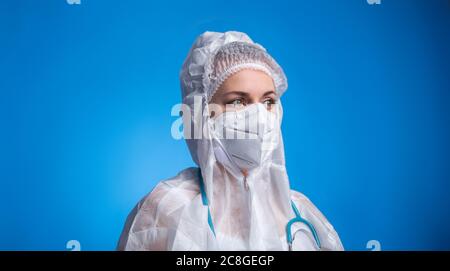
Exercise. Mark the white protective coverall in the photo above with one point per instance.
(214, 206)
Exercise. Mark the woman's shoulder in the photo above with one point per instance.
(178, 189)
(159, 208)
(311, 213)
(171, 193)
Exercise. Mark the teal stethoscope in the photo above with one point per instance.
(297, 218)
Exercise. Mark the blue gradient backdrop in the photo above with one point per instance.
(86, 92)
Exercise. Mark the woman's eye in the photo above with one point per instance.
(237, 102)
(269, 103)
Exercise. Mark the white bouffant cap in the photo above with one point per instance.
(216, 56)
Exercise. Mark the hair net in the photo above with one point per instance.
(215, 56)
(210, 207)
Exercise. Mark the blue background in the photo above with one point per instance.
(86, 93)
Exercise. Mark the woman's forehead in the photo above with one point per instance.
(247, 82)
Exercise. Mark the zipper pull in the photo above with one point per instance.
(244, 172)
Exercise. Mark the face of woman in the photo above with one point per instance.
(244, 88)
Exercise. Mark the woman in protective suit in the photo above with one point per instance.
(239, 197)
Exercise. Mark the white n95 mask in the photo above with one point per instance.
(244, 139)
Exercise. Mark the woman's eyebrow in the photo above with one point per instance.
(269, 93)
(236, 92)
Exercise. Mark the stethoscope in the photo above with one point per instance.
(297, 218)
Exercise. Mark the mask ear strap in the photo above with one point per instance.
(205, 201)
(298, 218)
